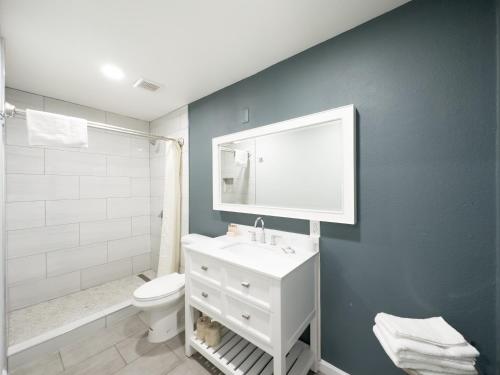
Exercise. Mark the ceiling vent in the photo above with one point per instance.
(147, 85)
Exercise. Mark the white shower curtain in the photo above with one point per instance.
(170, 249)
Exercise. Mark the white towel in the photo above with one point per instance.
(432, 330)
(424, 372)
(411, 360)
(425, 366)
(405, 348)
(241, 158)
(49, 129)
(417, 357)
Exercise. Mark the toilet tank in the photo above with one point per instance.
(188, 239)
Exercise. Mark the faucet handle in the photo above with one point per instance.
(274, 237)
(253, 235)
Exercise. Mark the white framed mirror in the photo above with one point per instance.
(303, 168)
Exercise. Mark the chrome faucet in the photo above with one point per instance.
(262, 236)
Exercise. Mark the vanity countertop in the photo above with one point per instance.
(265, 259)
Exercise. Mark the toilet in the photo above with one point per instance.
(163, 300)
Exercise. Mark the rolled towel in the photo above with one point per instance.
(425, 366)
(432, 330)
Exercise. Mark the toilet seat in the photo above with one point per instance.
(160, 288)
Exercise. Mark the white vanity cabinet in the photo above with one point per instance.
(265, 308)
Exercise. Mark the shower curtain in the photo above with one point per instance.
(170, 249)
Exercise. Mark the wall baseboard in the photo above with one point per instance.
(326, 368)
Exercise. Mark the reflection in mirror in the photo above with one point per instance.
(238, 172)
(303, 168)
(299, 168)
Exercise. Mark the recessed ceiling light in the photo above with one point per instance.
(112, 72)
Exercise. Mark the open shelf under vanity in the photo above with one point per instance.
(236, 356)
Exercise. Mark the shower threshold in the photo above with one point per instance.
(41, 323)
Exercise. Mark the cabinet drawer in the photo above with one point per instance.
(206, 268)
(206, 296)
(256, 321)
(249, 285)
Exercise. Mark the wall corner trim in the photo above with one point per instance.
(326, 368)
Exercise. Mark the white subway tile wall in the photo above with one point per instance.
(76, 218)
(22, 215)
(128, 247)
(140, 225)
(106, 272)
(106, 230)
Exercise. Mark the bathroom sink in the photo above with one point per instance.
(272, 260)
(250, 249)
(256, 254)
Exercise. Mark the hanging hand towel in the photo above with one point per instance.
(470, 370)
(241, 158)
(432, 330)
(49, 129)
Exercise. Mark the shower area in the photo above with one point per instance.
(83, 226)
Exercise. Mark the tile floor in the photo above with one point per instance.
(121, 349)
(38, 319)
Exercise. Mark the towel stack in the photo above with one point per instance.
(425, 346)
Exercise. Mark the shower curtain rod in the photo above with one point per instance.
(12, 111)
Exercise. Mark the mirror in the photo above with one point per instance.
(301, 168)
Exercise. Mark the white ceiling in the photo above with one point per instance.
(192, 47)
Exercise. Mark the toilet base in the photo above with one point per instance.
(166, 323)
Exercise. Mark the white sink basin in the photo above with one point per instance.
(253, 250)
(256, 255)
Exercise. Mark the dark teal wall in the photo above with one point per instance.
(423, 80)
(498, 184)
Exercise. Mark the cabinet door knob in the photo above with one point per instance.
(204, 268)
(246, 284)
(245, 316)
(204, 294)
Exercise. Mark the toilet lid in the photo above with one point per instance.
(160, 287)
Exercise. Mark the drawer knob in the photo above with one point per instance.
(204, 294)
(245, 284)
(245, 316)
(204, 268)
